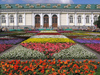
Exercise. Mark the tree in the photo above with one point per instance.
(97, 22)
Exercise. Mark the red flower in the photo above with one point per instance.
(42, 71)
(15, 67)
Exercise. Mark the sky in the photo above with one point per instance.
(50, 1)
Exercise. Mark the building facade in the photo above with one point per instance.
(48, 15)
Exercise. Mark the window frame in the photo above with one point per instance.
(11, 19)
(71, 19)
(3, 18)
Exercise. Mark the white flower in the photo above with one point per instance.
(22, 53)
(75, 51)
(48, 36)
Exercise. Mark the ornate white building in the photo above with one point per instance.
(48, 15)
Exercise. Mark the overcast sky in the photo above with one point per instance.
(50, 1)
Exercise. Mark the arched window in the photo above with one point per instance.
(11, 19)
(71, 19)
(3, 19)
(20, 19)
(79, 19)
(87, 19)
(95, 18)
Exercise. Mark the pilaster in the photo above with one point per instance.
(33, 20)
(84, 20)
(41, 20)
(16, 19)
(7, 20)
(75, 21)
(67, 19)
(58, 20)
(24, 19)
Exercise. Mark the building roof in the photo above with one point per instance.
(51, 6)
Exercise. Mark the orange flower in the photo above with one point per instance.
(86, 72)
(53, 69)
(48, 71)
(92, 71)
(7, 65)
(76, 71)
(10, 74)
(42, 71)
(59, 71)
(98, 62)
(49, 60)
(90, 74)
(68, 65)
(59, 60)
(66, 62)
(72, 59)
(86, 67)
(44, 63)
(34, 73)
(81, 73)
(54, 73)
(64, 70)
(68, 72)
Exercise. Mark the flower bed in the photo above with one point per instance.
(48, 36)
(6, 38)
(51, 40)
(74, 34)
(50, 67)
(22, 53)
(64, 31)
(95, 47)
(32, 31)
(4, 47)
(87, 41)
(47, 48)
(11, 41)
(27, 34)
(48, 31)
(74, 52)
(89, 38)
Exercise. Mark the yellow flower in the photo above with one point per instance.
(51, 40)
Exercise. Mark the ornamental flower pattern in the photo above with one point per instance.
(50, 40)
(48, 67)
(47, 48)
(87, 41)
(48, 36)
(95, 47)
(11, 41)
(4, 47)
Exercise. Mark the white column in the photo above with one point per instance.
(33, 20)
(24, 18)
(58, 20)
(50, 20)
(16, 19)
(41, 20)
(84, 20)
(67, 19)
(75, 19)
(0, 20)
(92, 16)
(7, 20)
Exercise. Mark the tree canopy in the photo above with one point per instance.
(97, 22)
